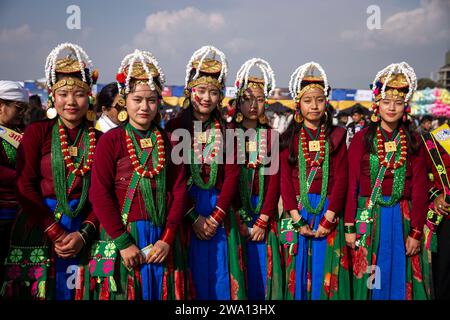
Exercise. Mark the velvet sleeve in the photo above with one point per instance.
(102, 191)
(29, 176)
(419, 194)
(336, 199)
(179, 201)
(287, 189)
(355, 154)
(272, 196)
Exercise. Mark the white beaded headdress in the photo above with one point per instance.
(242, 77)
(200, 55)
(144, 59)
(75, 50)
(389, 72)
(300, 73)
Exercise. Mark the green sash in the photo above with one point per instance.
(365, 215)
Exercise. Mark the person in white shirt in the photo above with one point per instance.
(107, 103)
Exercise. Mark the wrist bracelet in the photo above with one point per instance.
(434, 193)
(415, 234)
(327, 224)
(54, 231)
(123, 241)
(191, 216)
(260, 223)
(168, 236)
(87, 231)
(218, 215)
(299, 223)
(350, 229)
(82, 237)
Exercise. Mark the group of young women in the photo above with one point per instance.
(119, 216)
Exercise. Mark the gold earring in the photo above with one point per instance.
(239, 117)
(121, 101)
(186, 102)
(298, 117)
(90, 115)
(375, 117)
(123, 115)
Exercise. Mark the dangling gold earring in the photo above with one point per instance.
(375, 117)
(298, 117)
(123, 115)
(186, 102)
(90, 114)
(121, 101)
(239, 117)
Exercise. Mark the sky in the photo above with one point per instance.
(287, 33)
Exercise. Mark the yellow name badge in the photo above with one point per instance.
(442, 135)
(12, 137)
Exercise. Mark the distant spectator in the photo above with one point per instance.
(358, 123)
(425, 124)
(34, 112)
(107, 104)
(342, 119)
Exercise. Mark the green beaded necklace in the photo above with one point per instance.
(302, 178)
(157, 213)
(399, 176)
(196, 168)
(245, 181)
(61, 181)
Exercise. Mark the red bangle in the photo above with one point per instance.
(415, 234)
(327, 224)
(54, 231)
(218, 215)
(260, 223)
(168, 236)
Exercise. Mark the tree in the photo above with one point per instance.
(424, 83)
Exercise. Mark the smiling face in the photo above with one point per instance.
(142, 106)
(205, 98)
(252, 103)
(391, 109)
(71, 104)
(312, 105)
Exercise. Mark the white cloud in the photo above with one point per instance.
(16, 35)
(422, 26)
(238, 45)
(167, 31)
(169, 22)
